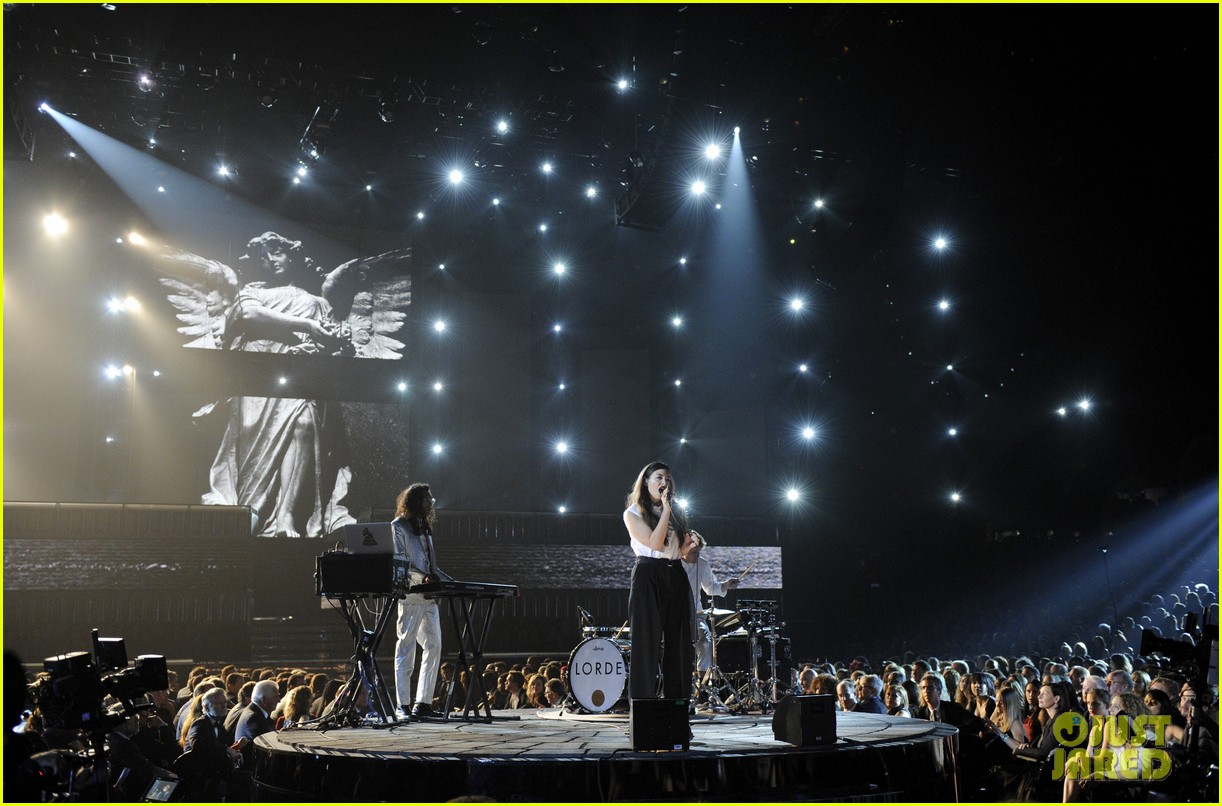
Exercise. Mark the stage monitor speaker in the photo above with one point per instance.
(659, 725)
(805, 719)
(339, 574)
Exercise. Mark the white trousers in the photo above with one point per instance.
(419, 623)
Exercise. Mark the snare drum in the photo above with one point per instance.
(598, 674)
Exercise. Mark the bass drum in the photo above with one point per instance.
(598, 674)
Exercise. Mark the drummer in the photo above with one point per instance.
(701, 577)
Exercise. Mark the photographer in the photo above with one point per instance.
(130, 770)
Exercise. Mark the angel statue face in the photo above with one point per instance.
(275, 259)
(279, 257)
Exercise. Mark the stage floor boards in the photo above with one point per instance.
(544, 755)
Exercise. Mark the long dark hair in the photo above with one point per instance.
(411, 505)
(639, 495)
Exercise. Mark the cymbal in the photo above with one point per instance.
(715, 611)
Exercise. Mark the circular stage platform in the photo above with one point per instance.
(552, 756)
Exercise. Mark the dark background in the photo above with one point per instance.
(1053, 150)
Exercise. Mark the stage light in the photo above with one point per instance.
(591, 191)
(546, 167)
(793, 495)
(698, 187)
(562, 387)
(437, 386)
(808, 433)
(736, 130)
(136, 238)
(113, 372)
(496, 202)
(954, 432)
(818, 204)
(562, 509)
(712, 151)
(717, 206)
(110, 439)
(131, 305)
(439, 326)
(562, 447)
(793, 241)
(54, 224)
(71, 155)
(1062, 411)
(623, 84)
(223, 170)
(559, 268)
(502, 126)
(803, 368)
(436, 448)
(160, 189)
(944, 305)
(441, 266)
(682, 502)
(156, 373)
(677, 321)
(682, 440)
(145, 83)
(455, 177)
(682, 261)
(44, 107)
(556, 328)
(118, 240)
(420, 215)
(283, 380)
(368, 187)
(950, 367)
(129, 370)
(939, 243)
(955, 498)
(115, 305)
(402, 386)
(152, 142)
(796, 304)
(296, 180)
(301, 170)
(1084, 404)
(678, 382)
(543, 228)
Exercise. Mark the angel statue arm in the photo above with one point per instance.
(344, 282)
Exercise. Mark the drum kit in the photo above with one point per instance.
(743, 676)
(754, 655)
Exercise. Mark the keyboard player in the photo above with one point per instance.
(419, 618)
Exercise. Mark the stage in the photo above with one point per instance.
(550, 756)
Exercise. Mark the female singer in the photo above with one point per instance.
(660, 599)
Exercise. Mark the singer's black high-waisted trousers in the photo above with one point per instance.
(660, 614)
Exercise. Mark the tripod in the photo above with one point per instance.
(713, 683)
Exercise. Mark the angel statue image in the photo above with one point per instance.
(283, 457)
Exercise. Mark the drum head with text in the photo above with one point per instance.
(597, 674)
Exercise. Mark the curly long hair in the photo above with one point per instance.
(639, 495)
(411, 504)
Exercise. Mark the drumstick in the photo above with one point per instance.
(620, 630)
(749, 567)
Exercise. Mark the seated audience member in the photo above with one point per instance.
(870, 702)
(982, 690)
(555, 692)
(1114, 753)
(896, 700)
(1119, 682)
(515, 691)
(231, 719)
(256, 718)
(207, 735)
(536, 691)
(846, 695)
(444, 677)
(824, 684)
(328, 696)
(295, 708)
(806, 680)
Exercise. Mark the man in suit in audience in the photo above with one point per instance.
(256, 718)
(871, 702)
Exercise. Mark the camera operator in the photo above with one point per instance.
(131, 771)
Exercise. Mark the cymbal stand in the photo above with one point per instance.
(713, 682)
(751, 694)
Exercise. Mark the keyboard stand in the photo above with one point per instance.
(365, 672)
(471, 656)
